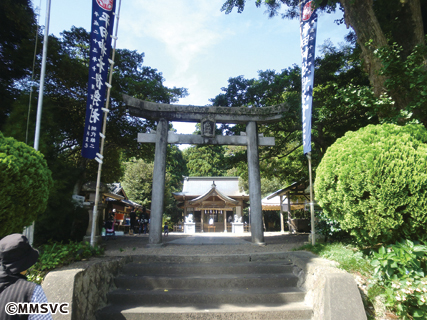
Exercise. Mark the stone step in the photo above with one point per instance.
(213, 281)
(207, 296)
(290, 311)
(158, 268)
(255, 286)
(235, 258)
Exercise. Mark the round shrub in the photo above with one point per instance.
(374, 182)
(25, 182)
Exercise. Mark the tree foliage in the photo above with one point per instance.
(17, 38)
(64, 116)
(374, 182)
(25, 183)
(206, 161)
(332, 114)
(138, 181)
(377, 25)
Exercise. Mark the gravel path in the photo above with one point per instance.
(203, 244)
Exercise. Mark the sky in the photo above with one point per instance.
(195, 45)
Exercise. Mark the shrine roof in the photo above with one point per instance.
(214, 192)
(296, 188)
(197, 186)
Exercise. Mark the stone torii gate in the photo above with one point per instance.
(208, 117)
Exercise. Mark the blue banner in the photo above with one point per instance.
(308, 26)
(100, 45)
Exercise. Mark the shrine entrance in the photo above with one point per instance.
(207, 117)
(214, 202)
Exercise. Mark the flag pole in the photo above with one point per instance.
(308, 27)
(29, 231)
(42, 76)
(104, 129)
(313, 231)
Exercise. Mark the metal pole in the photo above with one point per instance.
(313, 232)
(42, 75)
(104, 128)
(29, 231)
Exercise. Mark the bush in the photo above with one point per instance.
(400, 270)
(56, 255)
(25, 183)
(374, 183)
(331, 229)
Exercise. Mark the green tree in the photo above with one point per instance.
(17, 37)
(138, 181)
(65, 105)
(332, 114)
(25, 181)
(176, 166)
(206, 161)
(374, 183)
(376, 24)
(63, 120)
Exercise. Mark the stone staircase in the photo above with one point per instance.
(206, 287)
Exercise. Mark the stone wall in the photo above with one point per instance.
(84, 285)
(331, 292)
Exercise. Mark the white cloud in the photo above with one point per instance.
(186, 28)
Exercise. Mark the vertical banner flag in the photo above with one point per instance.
(100, 45)
(308, 26)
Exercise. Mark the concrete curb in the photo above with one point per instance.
(83, 285)
(331, 292)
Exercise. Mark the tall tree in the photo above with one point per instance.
(206, 161)
(17, 37)
(377, 24)
(138, 181)
(65, 105)
(332, 116)
(64, 116)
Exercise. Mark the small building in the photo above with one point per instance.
(213, 201)
(281, 200)
(117, 199)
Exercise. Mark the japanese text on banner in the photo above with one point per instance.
(100, 45)
(308, 27)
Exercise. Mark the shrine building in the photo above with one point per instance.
(213, 201)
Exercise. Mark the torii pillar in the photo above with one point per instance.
(159, 175)
(257, 231)
(207, 116)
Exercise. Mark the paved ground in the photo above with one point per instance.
(203, 244)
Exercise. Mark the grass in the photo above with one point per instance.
(349, 257)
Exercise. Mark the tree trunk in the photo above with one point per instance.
(79, 183)
(410, 30)
(403, 22)
(361, 17)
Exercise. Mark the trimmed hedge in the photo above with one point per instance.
(25, 182)
(374, 182)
